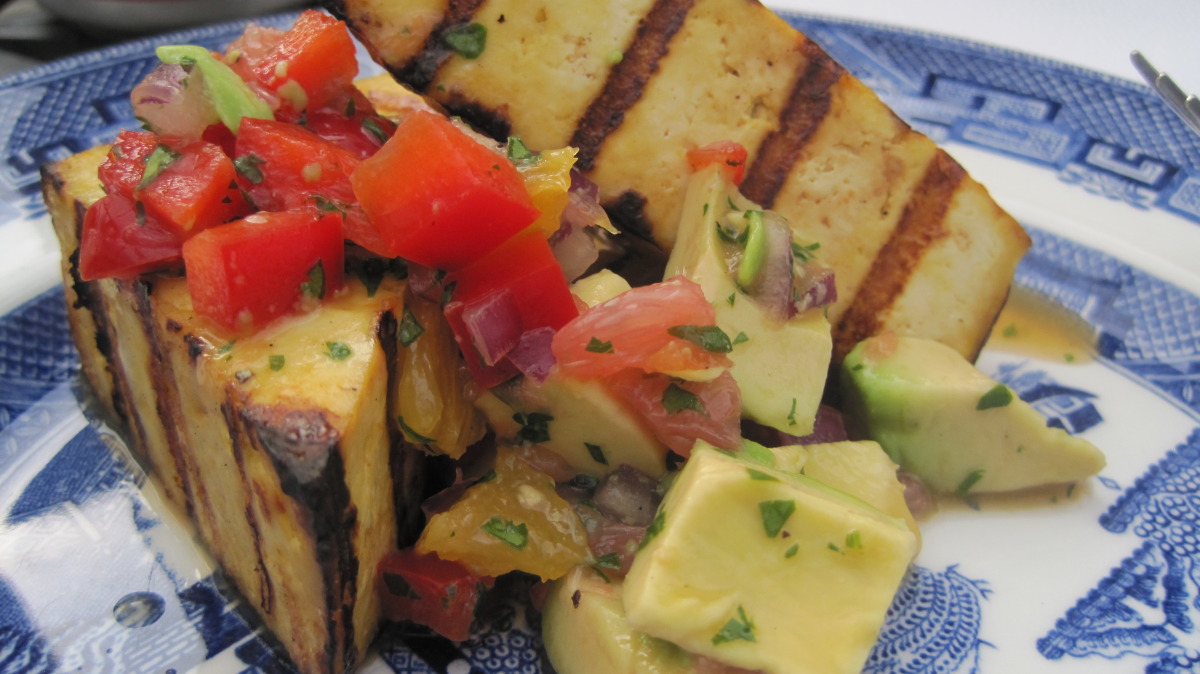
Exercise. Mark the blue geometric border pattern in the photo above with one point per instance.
(1109, 136)
(36, 353)
(1144, 326)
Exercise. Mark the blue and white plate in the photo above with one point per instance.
(96, 576)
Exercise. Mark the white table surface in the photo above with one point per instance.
(1095, 34)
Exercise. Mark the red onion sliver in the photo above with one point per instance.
(532, 354)
(494, 324)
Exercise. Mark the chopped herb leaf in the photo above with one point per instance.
(751, 264)
(708, 337)
(535, 427)
(655, 528)
(225, 348)
(1010, 331)
(999, 396)
(854, 540)
(412, 435)
(597, 453)
(791, 552)
(1069, 357)
(448, 293)
(676, 399)
(372, 127)
(732, 299)
(740, 628)
(775, 514)
(804, 253)
(610, 561)
(761, 476)
(833, 547)
(276, 362)
(519, 153)
(468, 40)
(791, 417)
(514, 534)
(337, 350)
(410, 328)
(158, 160)
(313, 286)
(968, 482)
(740, 339)
(249, 166)
(594, 345)
(326, 205)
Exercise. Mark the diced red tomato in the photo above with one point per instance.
(196, 190)
(680, 412)
(351, 122)
(309, 65)
(430, 591)
(728, 154)
(632, 330)
(246, 273)
(516, 288)
(439, 198)
(122, 170)
(283, 166)
(119, 242)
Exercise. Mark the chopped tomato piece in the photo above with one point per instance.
(438, 197)
(350, 121)
(309, 65)
(514, 290)
(728, 154)
(634, 329)
(681, 412)
(283, 166)
(118, 241)
(195, 189)
(122, 170)
(430, 591)
(246, 273)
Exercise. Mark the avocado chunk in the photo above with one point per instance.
(766, 569)
(585, 631)
(779, 365)
(953, 426)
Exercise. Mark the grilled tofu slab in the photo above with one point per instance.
(277, 446)
(917, 245)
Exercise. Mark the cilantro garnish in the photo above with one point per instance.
(467, 40)
(535, 427)
(655, 528)
(968, 482)
(676, 399)
(740, 628)
(410, 328)
(594, 345)
(999, 396)
(276, 362)
(372, 127)
(854, 540)
(740, 339)
(313, 286)
(597, 453)
(512, 533)
(249, 166)
(775, 514)
(708, 337)
(519, 153)
(337, 350)
(159, 159)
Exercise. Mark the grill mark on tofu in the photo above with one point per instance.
(920, 227)
(166, 398)
(306, 451)
(420, 71)
(805, 111)
(238, 441)
(628, 79)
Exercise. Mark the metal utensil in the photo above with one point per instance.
(1185, 105)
